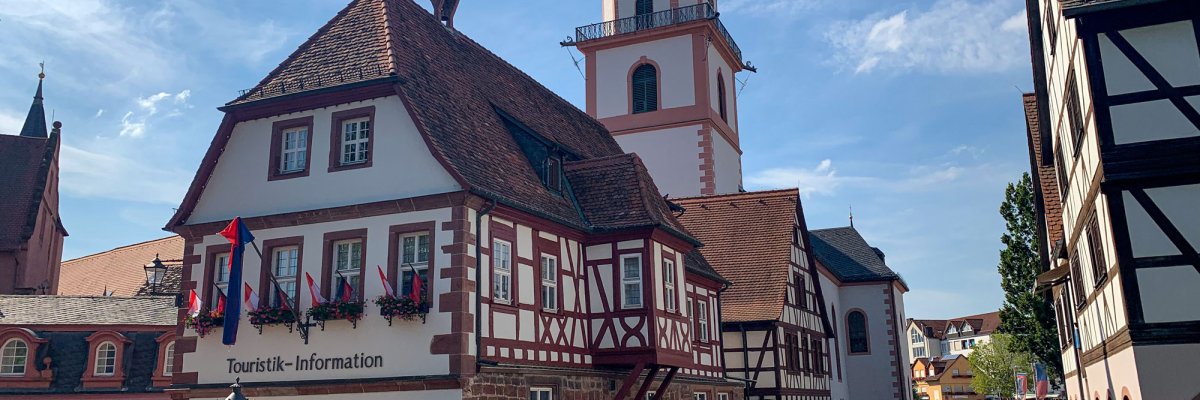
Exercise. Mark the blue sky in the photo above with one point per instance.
(909, 111)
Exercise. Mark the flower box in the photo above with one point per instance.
(348, 310)
(404, 308)
(265, 316)
(205, 321)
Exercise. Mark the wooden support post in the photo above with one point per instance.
(641, 394)
(662, 387)
(629, 380)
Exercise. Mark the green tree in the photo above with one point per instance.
(1028, 317)
(995, 365)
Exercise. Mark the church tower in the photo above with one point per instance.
(660, 77)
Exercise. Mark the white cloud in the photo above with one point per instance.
(957, 36)
(99, 113)
(1016, 23)
(182, 97)
(767, 7)
(823, 179)
(132, 128)
(108, 174)
(10, 122)
(150, 104)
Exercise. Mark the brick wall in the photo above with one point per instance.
(512, 384)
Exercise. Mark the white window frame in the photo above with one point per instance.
(669, 298)
(169, 359)
(412, 257)
(12, 363)
(628, 281)
(700, 395)
(722, 396)
(702, 316)
(106, 365)
(355, 150)
(344, 261)
(549, 275)
(534, 391)
(501, 271)
(917, 337)
(293, 158)
(286, 281)
(220, 277)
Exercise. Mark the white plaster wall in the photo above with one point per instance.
(869, 375)
(671, 155)
(1120, 370)
(1162, 372)
(447, 394)
(338, 339)
(402, 167)
(728, 165)
(676, 83)
(838, 389)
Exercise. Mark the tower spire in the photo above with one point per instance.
(35, 121)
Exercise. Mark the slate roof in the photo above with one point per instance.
(937, 325)
(845, 253)
(1044, 169)
(456, 91)
(24, 169)
(748, 240)
(981, 324)
(87, 310)
(120, 270)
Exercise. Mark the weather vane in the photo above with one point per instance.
(42, 73)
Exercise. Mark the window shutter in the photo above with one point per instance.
(645, 89)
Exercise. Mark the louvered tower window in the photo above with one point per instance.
(645, 7)
(645, 89)
(721, 98)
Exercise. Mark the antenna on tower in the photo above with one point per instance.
(576, 62)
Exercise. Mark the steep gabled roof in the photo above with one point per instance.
(848, 256)
(120, 270)
(938, 327)
(748, 240)
(453, 88)
(616, 193)
(1044, 171)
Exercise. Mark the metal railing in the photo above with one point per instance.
(314, 81)
(638, 23)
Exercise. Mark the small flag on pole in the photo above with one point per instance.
(1022, 384)
(1042, 382)
(345, 291)
(193, 304)
(238, 235)
(416, 288)
(387, 286)
(312, 290)
(250, 300)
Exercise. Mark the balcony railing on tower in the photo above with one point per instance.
(639, 23)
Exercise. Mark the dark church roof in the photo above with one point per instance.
(461, 97)
(845, 253)
(25, 162)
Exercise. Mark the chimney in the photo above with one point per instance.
(444, 11)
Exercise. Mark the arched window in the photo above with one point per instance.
(856, 328)
(645, 89)
(721, 98)
(106, 359)
(169, 359)
(13, 357)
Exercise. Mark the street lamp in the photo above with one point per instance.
(237, 391)
(155, 272)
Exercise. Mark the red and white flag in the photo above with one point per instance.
(312, 289)
(387, 286)
(251, 301)
(193, 304)
(416, 288)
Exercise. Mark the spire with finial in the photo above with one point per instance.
(851, 215)
(35, 121)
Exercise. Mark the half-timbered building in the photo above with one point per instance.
(552, 267)
(1114, 131)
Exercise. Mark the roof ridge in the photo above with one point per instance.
(833, 228)
(125, 247)
(598, 161)
(747, 195)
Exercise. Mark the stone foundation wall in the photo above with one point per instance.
(512, 384)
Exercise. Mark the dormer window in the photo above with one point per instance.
(552, 173)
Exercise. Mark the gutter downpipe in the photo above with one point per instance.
(479, 362)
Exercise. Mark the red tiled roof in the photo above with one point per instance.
(1045, 171)
(748, 240)
(453, 87)
(616, 192)
(24, 163)
(119, 270)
